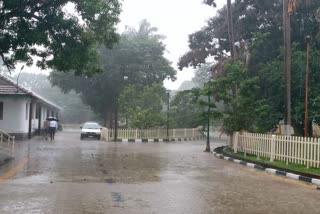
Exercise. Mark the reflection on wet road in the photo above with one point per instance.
(73, 176)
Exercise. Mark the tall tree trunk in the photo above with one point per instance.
(231, 42)
(287, 67)
(231, 32)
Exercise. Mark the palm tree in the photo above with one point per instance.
(145, 30)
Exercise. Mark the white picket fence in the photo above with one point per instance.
(298, 150)
(108, 134)
(6, 143)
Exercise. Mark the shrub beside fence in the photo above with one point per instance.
(298, 150)
(108, 134)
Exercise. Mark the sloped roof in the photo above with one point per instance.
(8, 87)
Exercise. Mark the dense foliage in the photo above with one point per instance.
(142, 106)
(251, 87)
(59, 38)
(139, 58)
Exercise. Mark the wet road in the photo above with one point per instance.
(73, 176)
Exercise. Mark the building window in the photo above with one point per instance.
(1, 110)
(27, 111)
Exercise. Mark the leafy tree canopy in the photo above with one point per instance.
(138, 56)
(185, 110)
(251, 18)
(57, 38)
(142, 106)
(252, 88)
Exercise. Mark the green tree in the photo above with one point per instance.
(185, 110)
(142, 106)
(271, 81)
(138, 56)
(258, 37)
(242, 109)
(59, 39)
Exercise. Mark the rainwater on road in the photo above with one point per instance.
(71, 176)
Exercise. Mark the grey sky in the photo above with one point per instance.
(176, 19)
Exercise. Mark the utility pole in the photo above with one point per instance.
(308, 39)
(231, 31)
(208, 128)
(116, 113)
(168, 93)
(287, 65)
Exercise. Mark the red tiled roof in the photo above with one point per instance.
(8, 87)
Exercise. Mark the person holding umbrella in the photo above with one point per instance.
(53, 125)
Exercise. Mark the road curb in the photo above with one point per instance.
(270, 170)
(153, 140)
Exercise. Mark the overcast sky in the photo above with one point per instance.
(175, 19)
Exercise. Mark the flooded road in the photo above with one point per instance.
(73, 176)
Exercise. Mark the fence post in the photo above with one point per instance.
(136, 134)
(288, 140)
(273, 148)
(308, 152)
(185, 133)
(174, 133)
(235, 142)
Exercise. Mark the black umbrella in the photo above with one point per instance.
(52, 118)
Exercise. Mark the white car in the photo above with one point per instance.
(90, 129)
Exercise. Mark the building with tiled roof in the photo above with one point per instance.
(22, 112)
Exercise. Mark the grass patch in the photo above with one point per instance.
(277, 163)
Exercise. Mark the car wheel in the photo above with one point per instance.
(81, 137)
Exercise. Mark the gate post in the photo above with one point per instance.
(235, 142)
(106, 134)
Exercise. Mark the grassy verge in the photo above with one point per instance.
(281, 164)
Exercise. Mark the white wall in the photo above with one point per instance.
(14, 115)
(16, 118)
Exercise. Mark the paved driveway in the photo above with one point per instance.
(73, 176)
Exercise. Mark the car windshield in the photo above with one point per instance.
(91, 126)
